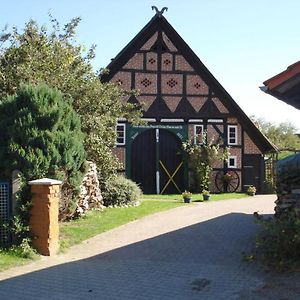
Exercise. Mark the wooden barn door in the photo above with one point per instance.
(253, 171)
(156, 163)
(170, 163)
(143, 161)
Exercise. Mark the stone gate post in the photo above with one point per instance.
(44, 215)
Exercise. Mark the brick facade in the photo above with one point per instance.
(150, 42)
(171, 84)
(167, 62)
(172, 102)
(220, 106)
(168, 42)
(151, 61)
(123, 79)
(197, 102)
(136, 62)
(145, 101)
(120, 153)
(195, 85)
(146, 83)
(181, 64)
(165, 70)
(249, 146)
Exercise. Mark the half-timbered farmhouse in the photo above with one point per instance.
(181, 99)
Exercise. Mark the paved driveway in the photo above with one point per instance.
(191, 252)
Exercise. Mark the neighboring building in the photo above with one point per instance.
(285, 86)
(181, 99)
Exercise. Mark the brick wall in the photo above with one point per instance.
(123, 79)
(195, 85)
(44, 216)
(167, 62)
(249, 146)
(168, 42)
(119, 152)
(146, 83)
(238, 153)
(197, 102)
(136, 62)
(150, 42)
(182, 64)
(171, 83)
(151, 61)
(220, 105)
(145, 101)
(172, 102)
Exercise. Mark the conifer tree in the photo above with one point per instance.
(41, 136)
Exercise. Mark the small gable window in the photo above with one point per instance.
(232, 162)
(232, 135)
(198, 134)
(120, 132)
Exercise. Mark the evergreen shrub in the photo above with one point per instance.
(120, 191)
(41, 136)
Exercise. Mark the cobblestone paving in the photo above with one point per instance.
(191, 252)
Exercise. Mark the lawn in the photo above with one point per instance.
(10, 258)
(196, 197)
(96, 222)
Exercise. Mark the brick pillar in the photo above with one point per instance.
(44, 215)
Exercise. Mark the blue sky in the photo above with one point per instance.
(241, 42)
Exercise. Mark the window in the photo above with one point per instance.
(198, 134)
(120, 131)
(232, 162)
(232, 135)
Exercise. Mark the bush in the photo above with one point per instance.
(41, 136)
(120, 191)
(279, 244)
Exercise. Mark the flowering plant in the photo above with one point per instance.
(228, 176)
(205, 192)
(251, 190)
(186, 194)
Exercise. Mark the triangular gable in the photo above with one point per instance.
(159, 108)
(159, 28)
(185, 108)
(210, 110)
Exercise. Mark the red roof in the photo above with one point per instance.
(282, 77)
(285, 86)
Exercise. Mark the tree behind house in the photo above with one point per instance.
(37, 54)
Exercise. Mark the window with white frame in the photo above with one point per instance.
(198, 134)
(232, 162)
(120, 131)
(232, 135)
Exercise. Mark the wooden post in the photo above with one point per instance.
(44, 215)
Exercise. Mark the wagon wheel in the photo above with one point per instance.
(227, 186)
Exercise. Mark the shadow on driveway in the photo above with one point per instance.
(202, 261)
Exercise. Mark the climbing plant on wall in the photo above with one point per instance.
(201, 157)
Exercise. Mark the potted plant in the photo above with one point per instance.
(251, 190)
(228, 177)
(187, 196)
(206, 194)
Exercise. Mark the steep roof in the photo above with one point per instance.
(159, 23)
(285, 86)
